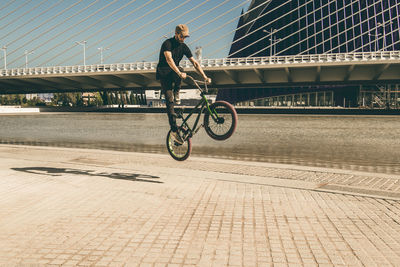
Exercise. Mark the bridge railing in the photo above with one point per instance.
(222, 62)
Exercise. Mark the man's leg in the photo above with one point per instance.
(166, 85)
(177, 86)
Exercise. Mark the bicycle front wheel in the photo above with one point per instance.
(178, 151)
(221, 124)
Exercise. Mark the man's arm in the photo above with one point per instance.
(171, 63)
(197, 66)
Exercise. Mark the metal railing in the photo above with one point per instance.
(223, 62)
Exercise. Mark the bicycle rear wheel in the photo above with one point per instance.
(178, 151)
(221, 124)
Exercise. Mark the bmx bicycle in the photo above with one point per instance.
(220, 120)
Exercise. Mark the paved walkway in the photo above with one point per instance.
(78, 207)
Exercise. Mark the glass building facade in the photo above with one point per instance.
(301, 27)
(317, 27)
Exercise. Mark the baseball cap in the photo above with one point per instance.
(183, 29)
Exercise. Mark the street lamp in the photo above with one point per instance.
(271, 32)
(101, 53)
(4, 48)
(383, 25)
(83, 43)
(276, 41)
(26, 57)
(376, 40)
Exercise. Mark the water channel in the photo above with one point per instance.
(362, 143)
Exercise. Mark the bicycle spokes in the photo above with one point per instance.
(179, 151)
(223, 120)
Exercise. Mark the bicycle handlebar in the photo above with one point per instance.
(196, 82)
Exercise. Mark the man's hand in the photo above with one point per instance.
(207, 80)
(183, 75)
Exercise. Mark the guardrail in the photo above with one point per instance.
(223, 62)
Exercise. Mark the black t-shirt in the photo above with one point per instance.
(177, 49)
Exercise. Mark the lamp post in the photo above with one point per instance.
(101, 53)
(83, 43)
(4, 48)
(274, 43)
(383, 25)
(271, 32)
(26, 57)
(376, 36)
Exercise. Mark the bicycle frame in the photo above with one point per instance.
(204, 105)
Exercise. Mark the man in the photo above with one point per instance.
(170, 74)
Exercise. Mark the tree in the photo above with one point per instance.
(105, 96)
(78, 100)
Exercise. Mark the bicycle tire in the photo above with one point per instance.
(226, 123)
(177, 151)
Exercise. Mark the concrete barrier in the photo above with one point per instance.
(18, 109)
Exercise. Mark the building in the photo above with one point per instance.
(275, 28)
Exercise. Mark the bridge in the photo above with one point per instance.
(252, 48)
(273, 71)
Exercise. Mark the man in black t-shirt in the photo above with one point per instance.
(170, 74)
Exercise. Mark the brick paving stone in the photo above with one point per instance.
(201, 213)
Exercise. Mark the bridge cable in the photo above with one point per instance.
(77, 23)
(125, 26)
(339, 33)
(55, 26)
(354, 26)
(43, 23)
(95, 33)
(14, 10)
(136, 30)
(383, 46)
(20, 16)
(394, 43)
(371, 41)
(8, 3)
(141, 27)
(249, 33)
(212, 42)
(291, 34)
(167, 23)
(331, 37)
(230, 21)
(329, 27)
(188, 22)
(31, 19)
(155, 52)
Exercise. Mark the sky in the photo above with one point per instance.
(132, 30)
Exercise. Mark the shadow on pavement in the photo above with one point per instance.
(60, 171)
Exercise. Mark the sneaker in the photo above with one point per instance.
(177, 137)
(177, 98)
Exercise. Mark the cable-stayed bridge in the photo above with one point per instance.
(367, 67)
(43, 43)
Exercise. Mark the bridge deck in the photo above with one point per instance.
(371, 67)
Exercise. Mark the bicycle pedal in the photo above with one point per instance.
(198, 129)
(179, 114)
